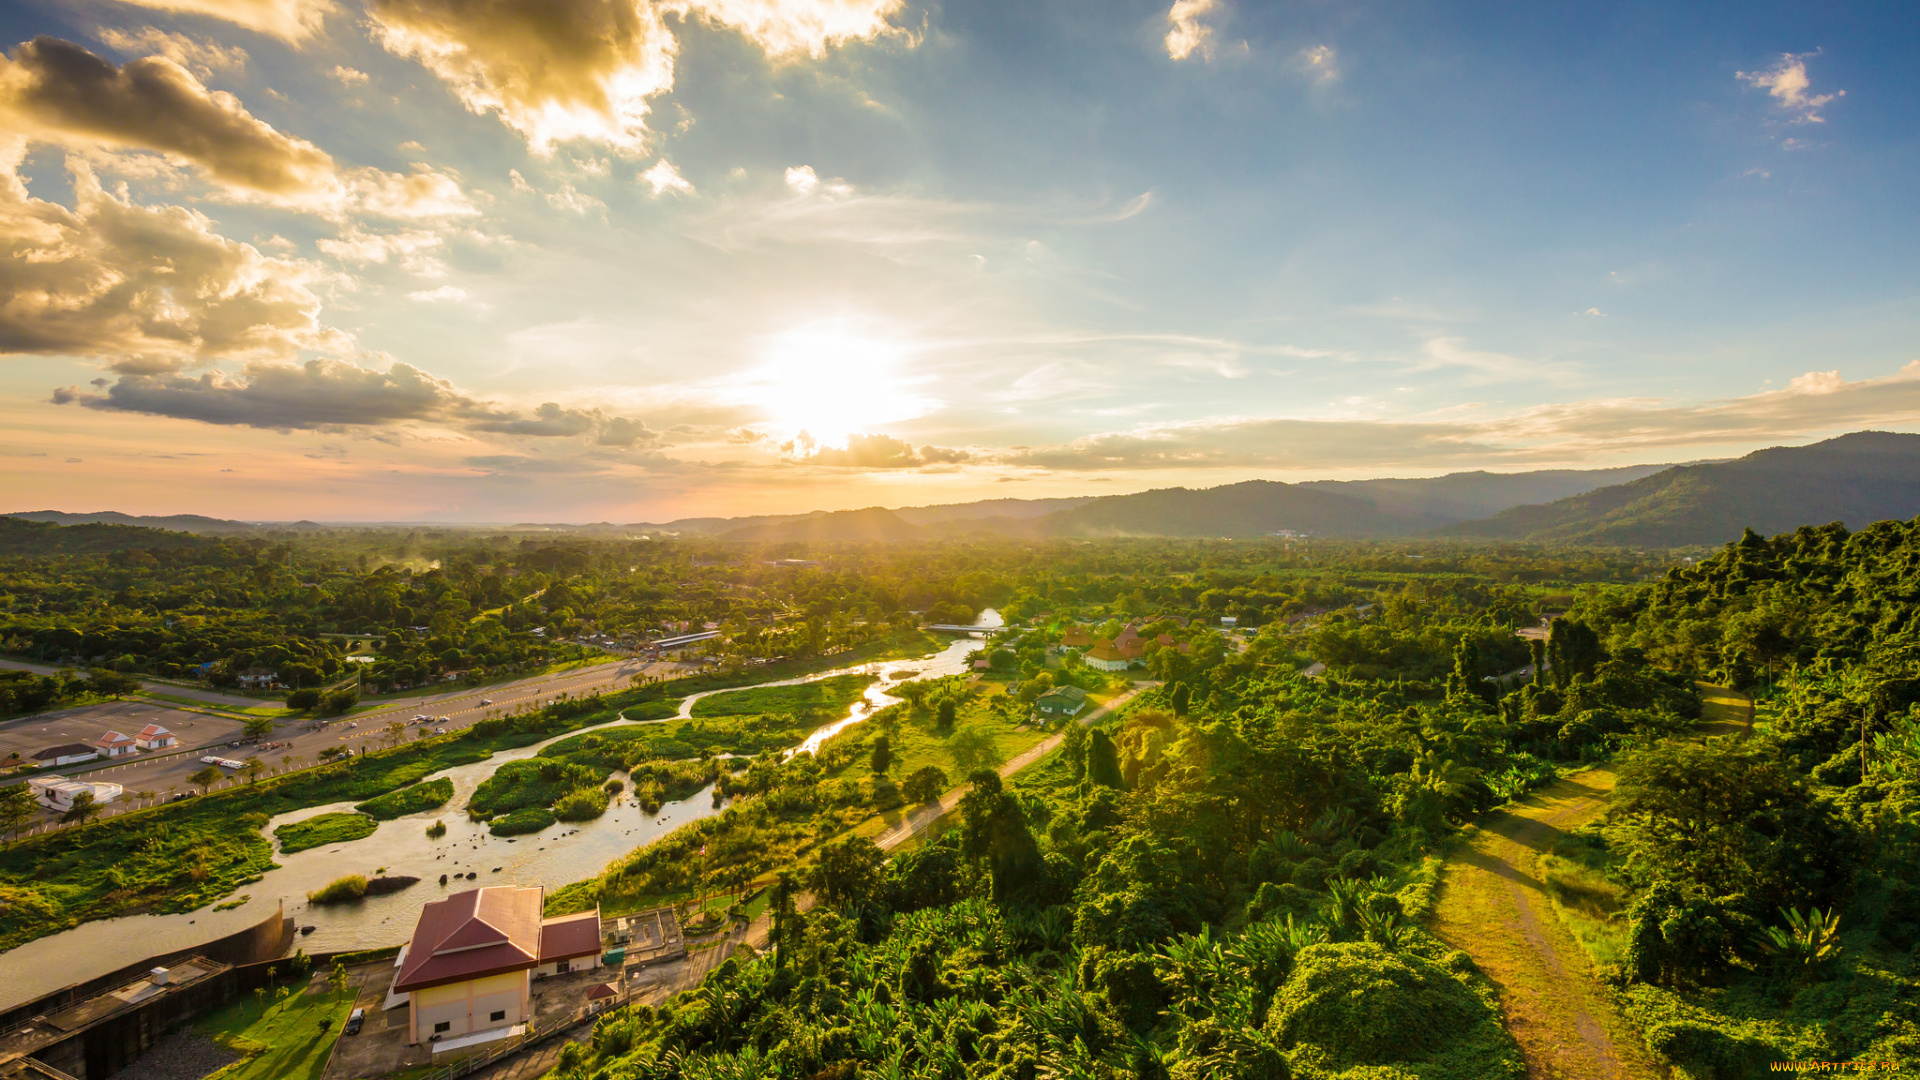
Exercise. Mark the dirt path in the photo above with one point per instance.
(1494, 906)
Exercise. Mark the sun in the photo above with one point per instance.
(829, 380)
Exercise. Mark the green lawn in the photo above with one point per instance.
(323, 829)
(821, 701)
(282, 1037)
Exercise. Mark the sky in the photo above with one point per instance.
(626, 260)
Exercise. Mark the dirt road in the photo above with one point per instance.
(1494, 905)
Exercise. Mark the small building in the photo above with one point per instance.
(57, 793)
(1104, 657)
(257, 678)
(66, 754)
(155, 737)
(114, 744)
(602, 997)
(1229, 621)
(1062, 701)
(467, 973)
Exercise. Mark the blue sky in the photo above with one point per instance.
(438, 259)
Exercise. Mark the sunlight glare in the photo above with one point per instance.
(830, 381)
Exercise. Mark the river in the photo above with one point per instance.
(558, 856)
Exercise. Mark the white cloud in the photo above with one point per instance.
(289, 20)
(1321, 63)
(663, 177)
(1787, 83)
(1187, 34)
(410, 247)
(203, 58)
(448, 293)
(347, 76)
(557, 70)
(573, 200)
(802, 179)
(151, 287)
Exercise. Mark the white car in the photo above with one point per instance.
(486, 701)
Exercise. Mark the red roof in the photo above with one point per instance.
(569, 936)
(112, 738)
(472, 935)
(153, 730)
(602, 992)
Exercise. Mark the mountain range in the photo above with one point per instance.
(1856, 479)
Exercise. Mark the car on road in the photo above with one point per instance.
(440, 731)
(355, 1021)
(353, 723)
(486, 701)
(225, 763)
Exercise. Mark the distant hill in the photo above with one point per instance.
(19, 536)
(192, 523)
(1443, 500)
(869, 526)
(1857, 479)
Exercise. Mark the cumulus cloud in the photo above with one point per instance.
(203, 58)
(555, 70)
(1787, 83)
(55, 91)
(289, 20)
(448, 293)
(411, 248)
(1187, 31)
(873, 452)
(59, 92)
(663, 177)
(151, 287)
(802, 178)
(347, 76)
(801, 27)
(335, 395)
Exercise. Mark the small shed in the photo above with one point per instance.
(1062, 701)
(115, 744)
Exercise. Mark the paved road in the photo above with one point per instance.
(208, 733)
(211, 697)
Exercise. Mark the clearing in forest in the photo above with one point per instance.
(1494, 904)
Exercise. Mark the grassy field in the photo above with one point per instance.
(323, 829)
(821, 701)
(281, 1036)
(410, 800)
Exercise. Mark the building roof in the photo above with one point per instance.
(153, 731)
(1070, 693)
(1106, 652)
(602, 992)
(113, 738)
(1076, 636)
(72, 749)
(473, 934)
(569, 936)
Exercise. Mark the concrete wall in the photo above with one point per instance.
(466, 1007)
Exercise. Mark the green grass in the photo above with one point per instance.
(528, 820)
(821, 701)
(281, 1037)
(323, 829)
(340, 890)
(409, 800)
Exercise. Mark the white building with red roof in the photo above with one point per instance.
(114, 744)
(469, 969)
(155, 737)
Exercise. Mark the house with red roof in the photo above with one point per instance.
(114, 744)
(469, 968)
(155, 737)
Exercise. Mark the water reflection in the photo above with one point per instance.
(558, 856)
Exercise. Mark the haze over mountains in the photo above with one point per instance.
(1857, 479)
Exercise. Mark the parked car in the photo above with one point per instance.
(356, 1021)
(486, 701)
(439, 731)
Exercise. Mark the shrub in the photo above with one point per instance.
(581, 804)
(323, 829)
(437, 830)
(529, 820)
(1366, 1006)
(339, 890)
(303, 699)
(335, 702)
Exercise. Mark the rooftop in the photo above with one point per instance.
(473, 934)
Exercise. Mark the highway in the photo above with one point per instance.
(210, 732)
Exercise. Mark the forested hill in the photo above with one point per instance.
(1247, 510)
(21, 537)
(1855, 479)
